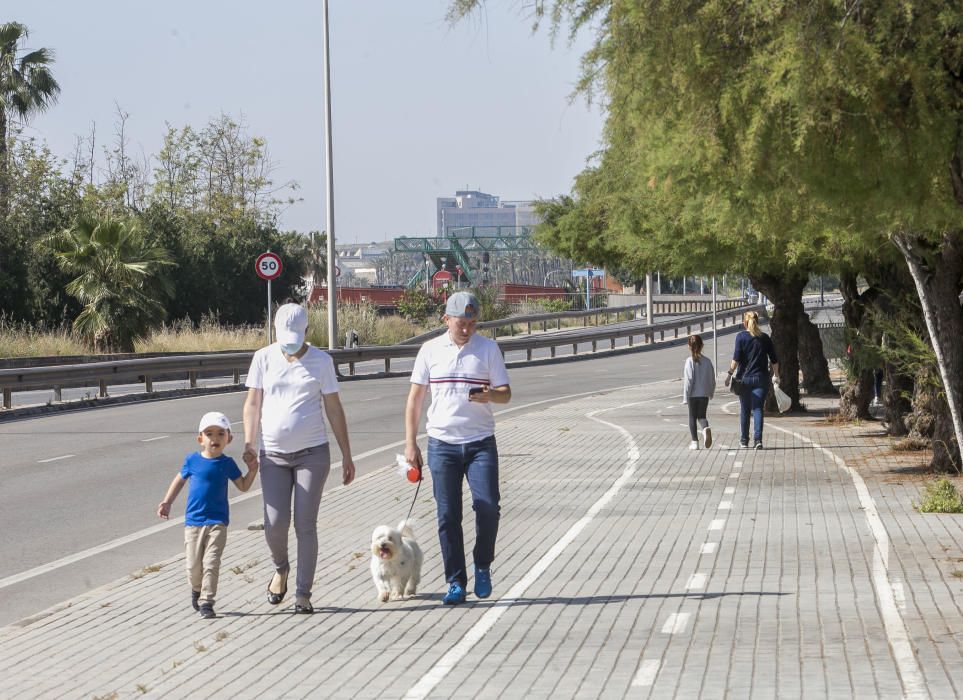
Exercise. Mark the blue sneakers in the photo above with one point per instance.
(455, 595)
(483, 582)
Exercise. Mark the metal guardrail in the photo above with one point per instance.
(147, 370)
(530, 320)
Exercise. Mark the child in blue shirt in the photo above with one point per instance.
(206, 517)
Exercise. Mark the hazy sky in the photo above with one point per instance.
(420, 108)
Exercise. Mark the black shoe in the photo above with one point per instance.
(207, 611)
(757, 445)
(303, 607)
(276, 598)
(744, 445)
(195, 595)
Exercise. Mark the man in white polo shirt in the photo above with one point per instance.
(467, 374)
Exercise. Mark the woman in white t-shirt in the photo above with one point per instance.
(288, 383)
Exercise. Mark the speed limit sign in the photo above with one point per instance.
(268, 266)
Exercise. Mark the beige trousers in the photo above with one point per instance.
(204, 546)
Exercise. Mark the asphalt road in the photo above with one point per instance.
(84, 485)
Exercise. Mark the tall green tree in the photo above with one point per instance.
(119, 279)
(797, 131)
(27, 86)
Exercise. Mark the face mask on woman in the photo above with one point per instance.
(291, 348)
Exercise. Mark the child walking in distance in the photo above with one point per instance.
(206, 517)
(698, 386)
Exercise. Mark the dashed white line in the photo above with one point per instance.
(159, 437)
(734, 475)
(373, 398)
(676, 623)
(717, 524)
(729, 490)
(737, 465)
(647, 672)
(709, 547)
(54, 459)
(696, 581)
(725, 505)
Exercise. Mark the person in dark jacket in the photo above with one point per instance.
(754, 364)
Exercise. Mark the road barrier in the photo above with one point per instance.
(147, 370)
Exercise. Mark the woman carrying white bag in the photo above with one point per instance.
(754, 362)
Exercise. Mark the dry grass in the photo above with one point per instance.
(20, 340)
(181, 336)
(912, 444)
(372, 328)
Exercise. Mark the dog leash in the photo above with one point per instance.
(415, 499)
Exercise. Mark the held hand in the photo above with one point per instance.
(483, 396)
(250, 454)
(164, 510)
(250, 459)
(347, 471)
(413, 456)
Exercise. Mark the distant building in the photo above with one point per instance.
(485, 214)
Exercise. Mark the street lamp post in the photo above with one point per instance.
(329, 198)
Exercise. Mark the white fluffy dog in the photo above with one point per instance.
(395, 561)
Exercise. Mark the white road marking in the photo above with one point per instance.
(729, 489)
(54, 459)
(717, 524)
(437, 673)
(646, 674)
(373, 398)
(737, 465)
(709, 547)
(730, 454)
(159, 437)
(725, 505)
(899, 595)
(676, 623)
(911, 676)
(696, 581)
(734, 475)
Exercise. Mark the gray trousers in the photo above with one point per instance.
(301, 474)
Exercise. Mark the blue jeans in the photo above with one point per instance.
(753, 398)
(449, 464)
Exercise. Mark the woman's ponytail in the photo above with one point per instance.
(751, 319)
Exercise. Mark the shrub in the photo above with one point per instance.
(418, 306)
(940, 496)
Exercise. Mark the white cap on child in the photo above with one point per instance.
(214, 419)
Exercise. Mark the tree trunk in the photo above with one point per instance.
(936, 271)
(946, 458)
(897, 390)
(812, 359)
(785, 292)
(4, 165)
(856, 396)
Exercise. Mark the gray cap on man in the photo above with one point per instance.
(462, 305)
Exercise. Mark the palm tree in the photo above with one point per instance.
(26, 87)
(119, 280)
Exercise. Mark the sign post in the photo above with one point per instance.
(268, 267)
(588, 274)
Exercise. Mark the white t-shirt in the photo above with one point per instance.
(451, 371)
(292, 413)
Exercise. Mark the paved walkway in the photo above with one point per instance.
(627, 566)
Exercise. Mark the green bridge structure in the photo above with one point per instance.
(456, 249)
